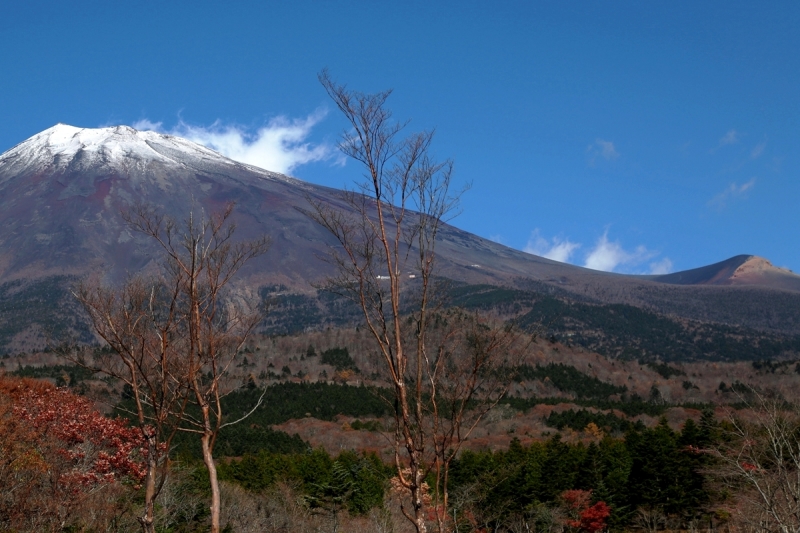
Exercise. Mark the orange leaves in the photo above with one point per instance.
(343, 376)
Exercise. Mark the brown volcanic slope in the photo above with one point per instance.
(739, 270)
(62, 191)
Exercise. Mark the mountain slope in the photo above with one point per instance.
(63, 190)
(738, 270)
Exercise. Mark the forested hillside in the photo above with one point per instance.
(627, 331)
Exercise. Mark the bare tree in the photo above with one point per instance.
(759, 459)
(385, 263)
(468, 372)
(173, 341)
(141, 326)
(650, 518)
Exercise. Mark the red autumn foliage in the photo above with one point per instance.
(594, 518)
(57, 454)
(100, 449)
(749, 467)
(584, 517)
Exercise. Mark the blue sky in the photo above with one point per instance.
(628, 136)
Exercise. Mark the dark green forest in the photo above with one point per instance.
(648, 467)
(625, 331)
(654, 467)
(568, 379)
(614, 330)
(46, 303)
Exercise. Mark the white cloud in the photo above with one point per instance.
(556, 249)
(731, 137)
(662, 266)
(601, 148)
(731, 193)
(280, 146)
(145, 124)
(608, 256)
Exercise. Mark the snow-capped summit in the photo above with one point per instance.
(121, 147)
(63, 190)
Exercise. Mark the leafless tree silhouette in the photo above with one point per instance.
(759, 459)
(445, 368)
(173, 339)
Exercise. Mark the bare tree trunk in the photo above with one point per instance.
(208, 460)
(416, 473)
(385, 261)
(150, 493)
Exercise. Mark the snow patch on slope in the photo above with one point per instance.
(62, 143)
(91, 153)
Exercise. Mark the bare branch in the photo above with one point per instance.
(172, 339)
(385, 262)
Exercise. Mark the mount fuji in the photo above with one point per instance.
(63, 190)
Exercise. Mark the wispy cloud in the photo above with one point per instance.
(601, 148)
(280, 146)
(758, 149)
(731, 137)
(148, 125)
(609, 255)
(605, 255)
(556, 249)
(732, 192)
